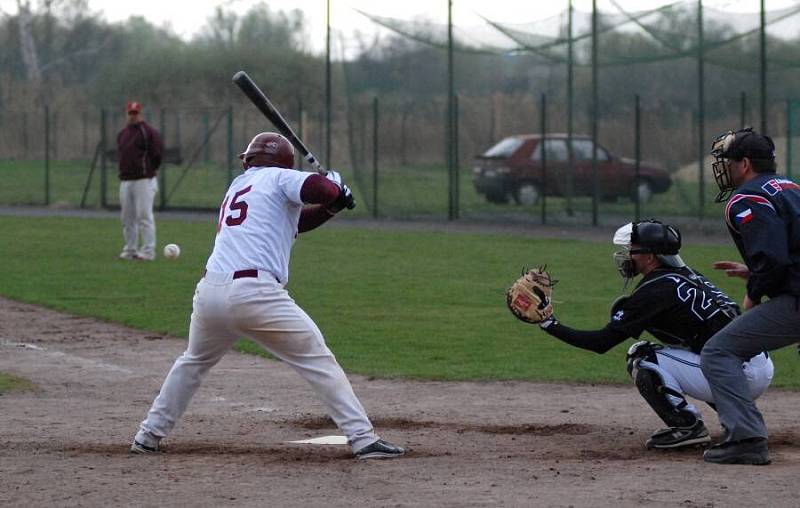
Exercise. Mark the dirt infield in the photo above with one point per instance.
(472, 444)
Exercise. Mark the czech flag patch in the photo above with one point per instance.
(744, 217)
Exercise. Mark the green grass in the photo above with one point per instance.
(391, 304)
(9, 383)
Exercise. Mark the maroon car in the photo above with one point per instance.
(513, 169)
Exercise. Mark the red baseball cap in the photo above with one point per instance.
(133, 106)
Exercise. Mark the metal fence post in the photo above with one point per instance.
(84, 132)
(543, 145)
(46, 155)
(456, 161)
(230, 144)
(570, 114)
(595, 112)
(451, 212)
(25, 140)
(789, 133)
(162, 124)
(701, 119)
(206, 151)
(638, 149)
(103, 160)
(742, 109)
(375, 157)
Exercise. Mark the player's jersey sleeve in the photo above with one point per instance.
(634, 313)
(290, 182)
(764, 241)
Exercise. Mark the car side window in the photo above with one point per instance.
(555, 150)
(582, 149)
(504, 149)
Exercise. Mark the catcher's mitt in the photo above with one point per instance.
(530, 294)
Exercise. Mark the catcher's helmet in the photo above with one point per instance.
(269, 149)
(650, 237)
(736, 146)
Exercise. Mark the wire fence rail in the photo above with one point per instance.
(394, 153)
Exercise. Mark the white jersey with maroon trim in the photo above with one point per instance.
(258, 221)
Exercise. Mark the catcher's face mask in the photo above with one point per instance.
(625, 265)
(622, 257)
(721, 167)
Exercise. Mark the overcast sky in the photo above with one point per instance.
(186, 18)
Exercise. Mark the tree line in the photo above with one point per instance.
(60, 52)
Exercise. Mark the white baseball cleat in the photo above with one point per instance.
(380, 449)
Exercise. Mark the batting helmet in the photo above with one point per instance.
(269, 149)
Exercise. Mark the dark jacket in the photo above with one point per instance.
(678, 306)
(763, 217)
(139, 149)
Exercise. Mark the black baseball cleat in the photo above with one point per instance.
(678, 437)
(138, 447)
(380, 449)
(747, 451)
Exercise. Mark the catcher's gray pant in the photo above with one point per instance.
(136, 210)
(225, 309)
(766, 327)
(680, 370)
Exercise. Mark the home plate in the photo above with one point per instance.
(323, 440)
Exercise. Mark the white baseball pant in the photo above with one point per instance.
(136, 204)
(225, 309)
(680, 371)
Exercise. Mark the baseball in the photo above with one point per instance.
(171, 251)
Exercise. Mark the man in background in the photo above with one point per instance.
(139, 148)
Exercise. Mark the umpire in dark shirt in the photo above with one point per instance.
(763, 218)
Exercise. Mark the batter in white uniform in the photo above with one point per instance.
(242, 295)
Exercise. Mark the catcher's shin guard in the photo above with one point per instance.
(652, 389)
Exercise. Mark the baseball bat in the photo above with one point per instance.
(257, 97)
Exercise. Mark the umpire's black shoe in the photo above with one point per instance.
(747, 451)
(677, 437)
(380, 449)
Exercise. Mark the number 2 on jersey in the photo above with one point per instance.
(236, 206)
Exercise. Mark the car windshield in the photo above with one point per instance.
(503, 149)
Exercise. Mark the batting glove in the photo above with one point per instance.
(345, 200)
(334, 177)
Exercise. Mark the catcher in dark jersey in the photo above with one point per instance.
(679, 307)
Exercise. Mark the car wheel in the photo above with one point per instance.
(527, 194)
(644, 191)
(497, 197)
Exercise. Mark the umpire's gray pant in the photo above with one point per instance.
(766, 327)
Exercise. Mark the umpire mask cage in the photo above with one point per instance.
(721, 167)
(735, 146)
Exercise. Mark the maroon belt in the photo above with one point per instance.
(246, 274)
(241, 274)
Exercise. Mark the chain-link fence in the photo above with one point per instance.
(618, 97)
